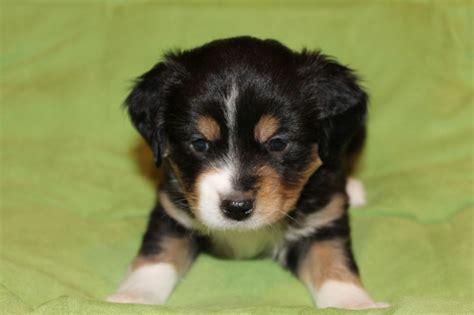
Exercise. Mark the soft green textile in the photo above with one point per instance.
(75, 178)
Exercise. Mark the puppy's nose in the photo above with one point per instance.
(237, 209)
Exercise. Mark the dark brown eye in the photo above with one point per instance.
(277, 145)
(200, 145)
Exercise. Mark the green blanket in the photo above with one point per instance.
(77, 182)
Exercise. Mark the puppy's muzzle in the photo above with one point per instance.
(237, 208)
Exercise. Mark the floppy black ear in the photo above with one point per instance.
(148, 100)
(339, 104)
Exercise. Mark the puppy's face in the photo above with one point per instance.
(241, 156)
(242, 125)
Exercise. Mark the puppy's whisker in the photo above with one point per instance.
(284, 214)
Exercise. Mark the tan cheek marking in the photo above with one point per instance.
(209, 128)
(292, 193)
(269, 196)
(176, 251)
(326, 261)
(273, 198)
(266, 127)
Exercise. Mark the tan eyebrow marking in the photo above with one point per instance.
(209, 128)
(266, 127)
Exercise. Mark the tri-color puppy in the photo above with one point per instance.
(258, 143)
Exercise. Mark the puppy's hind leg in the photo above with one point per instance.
(166, 254)
(356, 192)
(354, 187)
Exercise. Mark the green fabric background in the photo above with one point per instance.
(77, 182)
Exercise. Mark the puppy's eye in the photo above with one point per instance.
(200, 145)
(277, 145)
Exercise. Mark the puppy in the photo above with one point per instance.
(257, 143)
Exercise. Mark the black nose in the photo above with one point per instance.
(237, 209)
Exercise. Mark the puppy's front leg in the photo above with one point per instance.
(331, 276)
(320, 254)
(166, 254)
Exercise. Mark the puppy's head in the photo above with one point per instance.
(244, 124)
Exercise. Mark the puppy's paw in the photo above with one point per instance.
(355, 190)
(129, 298)
(346, 296)
(147, 284)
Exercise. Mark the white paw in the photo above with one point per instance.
(128, 298)
(148, 284)
(355, 190)
(344, 295)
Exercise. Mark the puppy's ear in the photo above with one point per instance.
(148, 100)
(338, 103)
